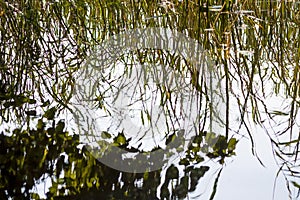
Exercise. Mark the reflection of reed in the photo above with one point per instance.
(167, 5)
(43, 44)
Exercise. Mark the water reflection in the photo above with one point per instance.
(255, 47)
(178, 105)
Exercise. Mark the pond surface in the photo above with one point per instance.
(149, 99)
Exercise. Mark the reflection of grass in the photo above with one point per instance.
(157, 95)
(44, 43)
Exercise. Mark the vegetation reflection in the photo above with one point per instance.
(255, 49)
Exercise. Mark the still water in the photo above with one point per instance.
(202, 106)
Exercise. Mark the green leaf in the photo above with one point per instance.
(277, 112)
(196, 174)
(210, 138)
(31, 101)
(165, 193)
(170, 139)
(60, 126)
(221, 144)
(46, 103)
(142, 117)
(20, 100)
(289, 142)
(297, 185)
(184, 162)
(8, 104)
(35, 196)
(197, 139)
(105, 134)
(231, 144)
(182, 189)
(40, 124)
(172, 173)
(49, 114)
(120, 139)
